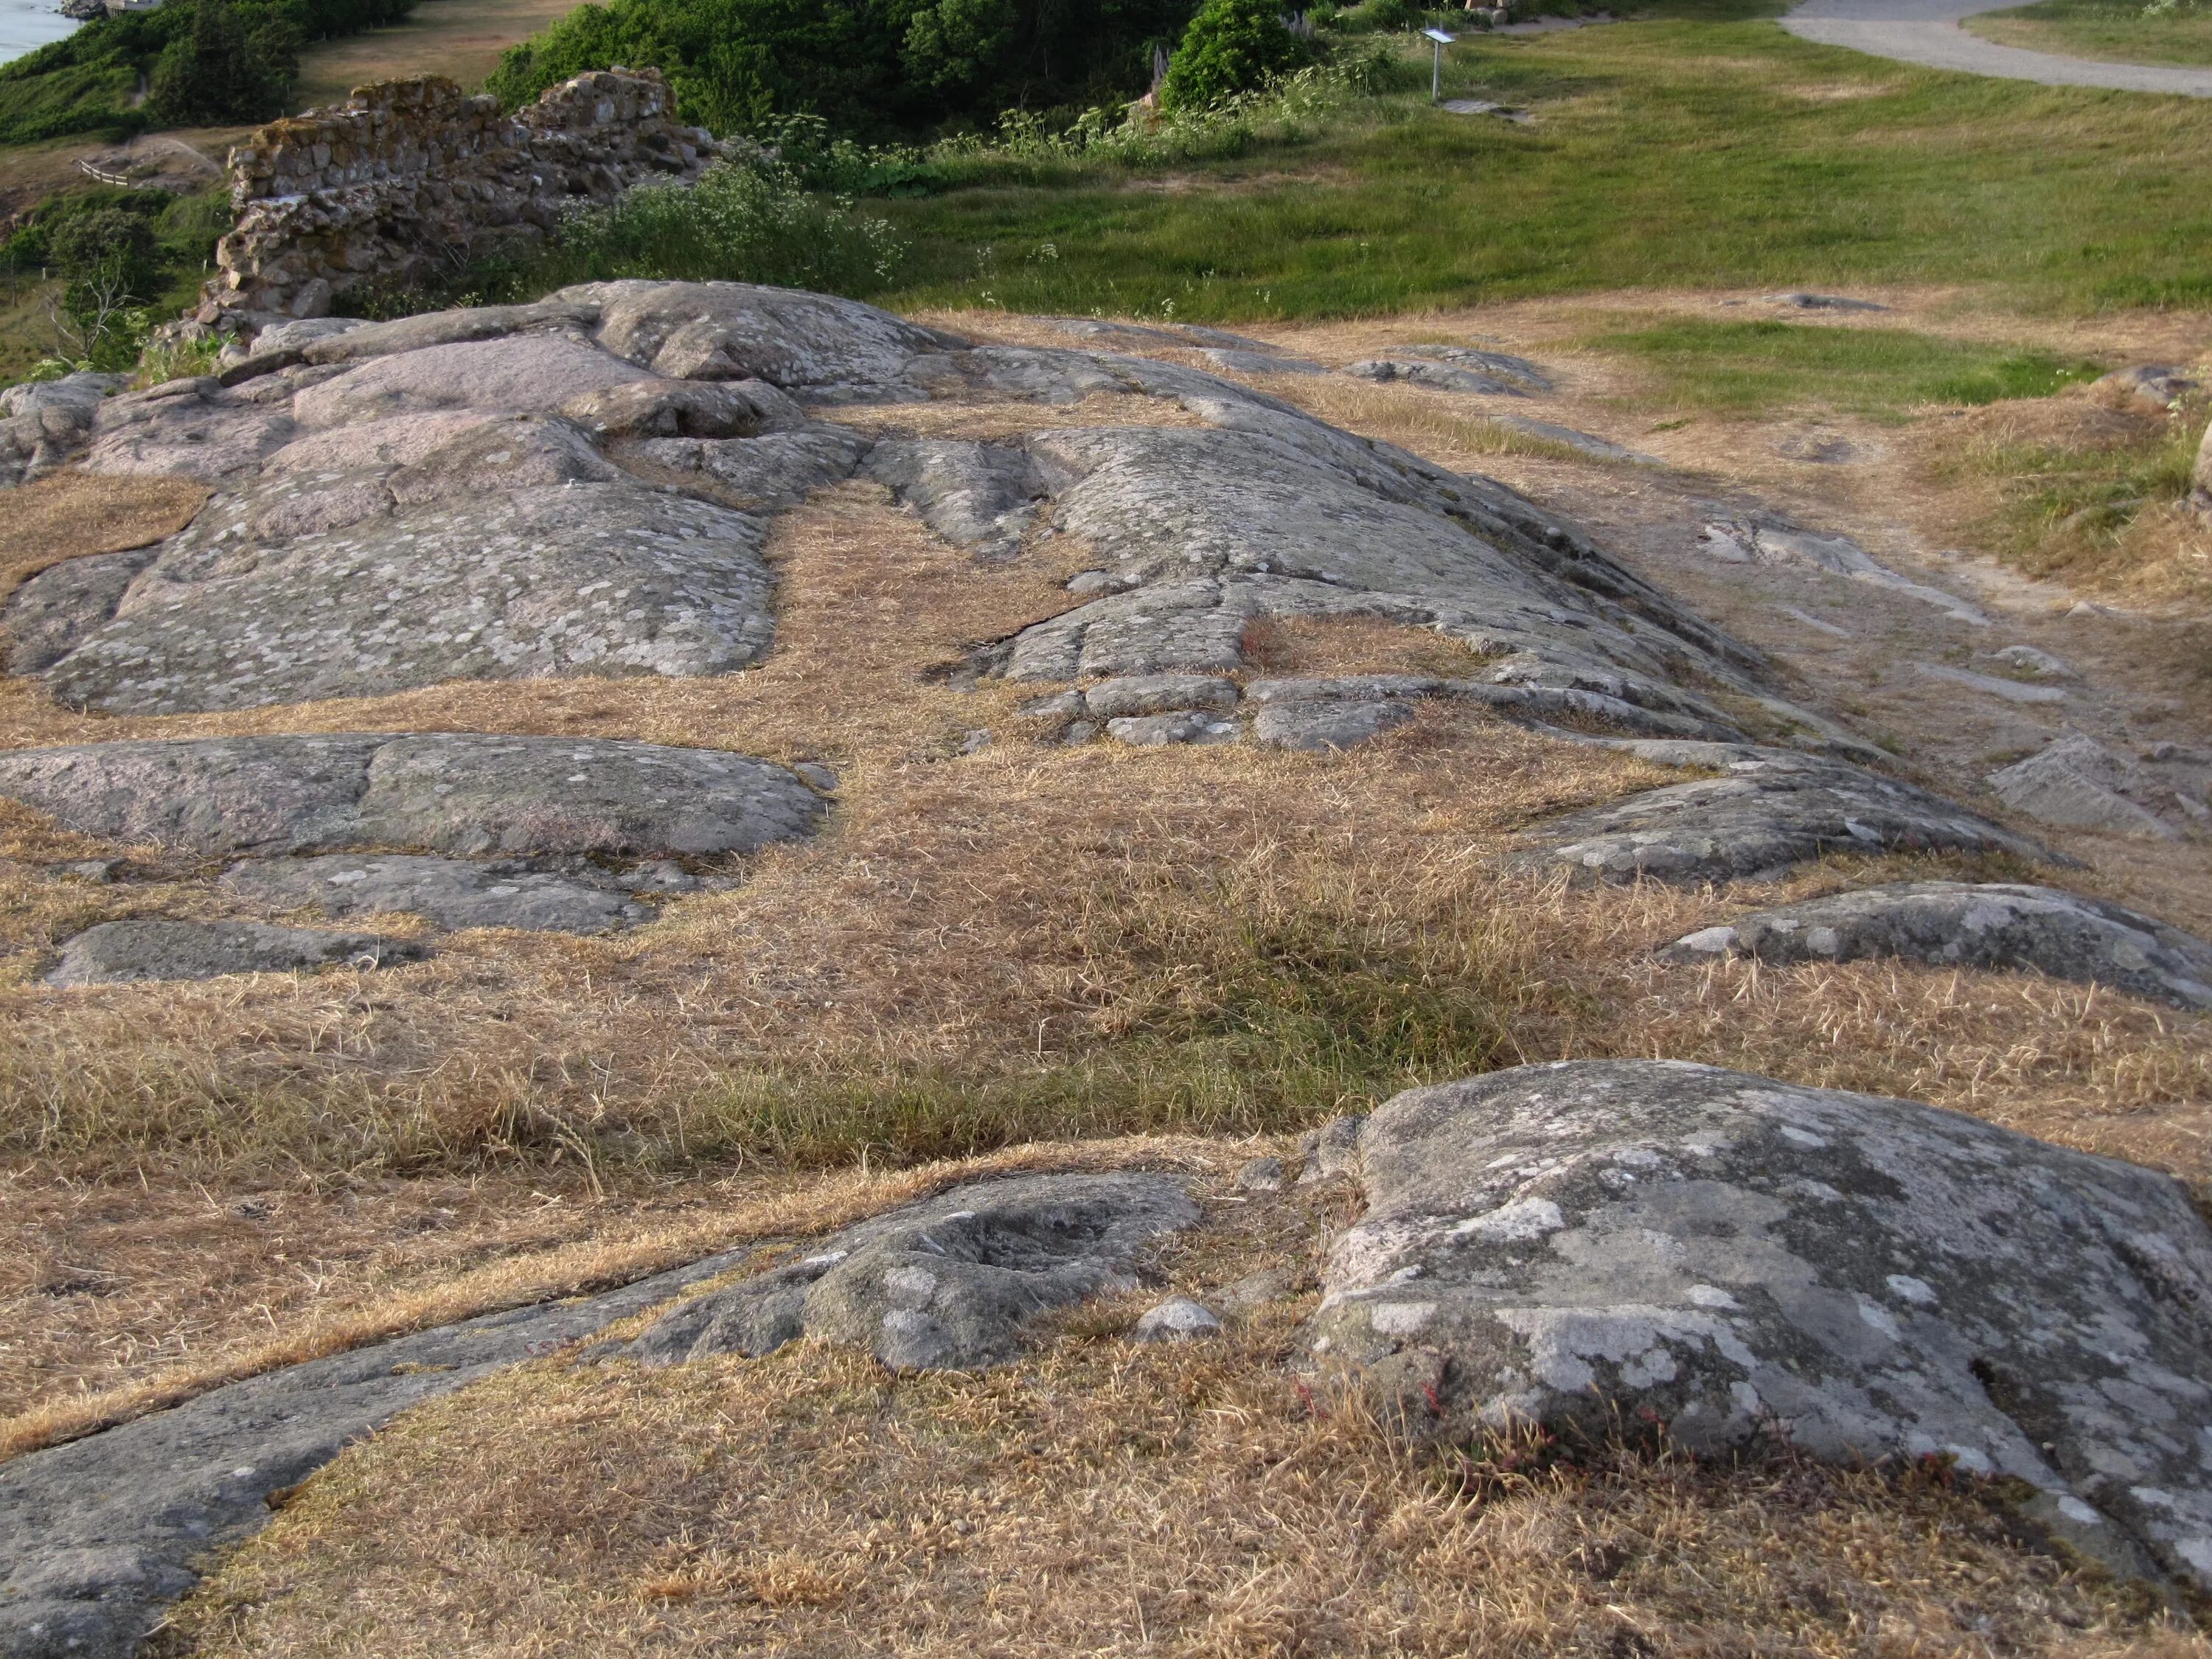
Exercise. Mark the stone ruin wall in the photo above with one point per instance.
(410, 179)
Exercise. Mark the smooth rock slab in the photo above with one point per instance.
(452, 892)
(1771, 810)
(1742, 1258)
(605, 579)
(99, 1535)
(158, 950)
(450, 791)
(947, 1284)
(2078, 784)
(1973, 924)
(44, 618)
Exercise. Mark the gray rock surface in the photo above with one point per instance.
(1803, 302)
(1158, 694)
(947, 1284)
(1990, 685)
(813, 345)
(1262, 1175)
(445, 498)
(775, 469)
(1733, 541)
(569, 896)
(157, 949)
(539, 579)
(2080, 784)
(1598, 449)
(463, 793)
(1240, 361)
(1331, 1150)
(1157, 731)
(1316, 724)
(1770, 809)
(97, 1536)
(1178, 1318)
(1742, 1258)
(2160, 385)
(1455, 368)
(44, 618)
(1973, 924)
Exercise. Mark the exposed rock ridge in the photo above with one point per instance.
(1973, 924)
(407, 501)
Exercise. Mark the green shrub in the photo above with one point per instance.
(225, 67)
(1231, 47)
(743, 221)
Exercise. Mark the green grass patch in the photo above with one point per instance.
(1672, 153)
(1759, 367)
(2120, 30)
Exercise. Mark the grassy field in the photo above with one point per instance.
(1705, 149)
(2116, 30)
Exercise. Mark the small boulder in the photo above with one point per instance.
(1973, 924)
(1262, 1175)
(2034, 663)
(944, 1285)
(1803, 302)
(1178, 1318)
(1592, 1243)
(2080, 784)
(1331, 1150)
(156, 950)
(2160, 385)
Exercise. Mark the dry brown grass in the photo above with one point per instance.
(1101, 1497)
(65, 515)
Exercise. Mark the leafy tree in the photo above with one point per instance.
(955, 45)
(1231, 46)
(226, 67)
(108, 242)
(870, 68)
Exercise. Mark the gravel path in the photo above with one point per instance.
(1927, 32)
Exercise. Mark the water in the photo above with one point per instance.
(25, 24)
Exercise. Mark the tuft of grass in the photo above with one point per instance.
(1761, 367)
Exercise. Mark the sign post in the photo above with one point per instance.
(1436, 69)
